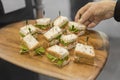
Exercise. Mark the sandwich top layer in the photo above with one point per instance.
(61, 20)
(89, 50)
(30, 41)
(68, 38)
(58, 50)
(53, 33)
(28, 29)
(43, 21)
(76, 25)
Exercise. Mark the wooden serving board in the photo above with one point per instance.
(10, 46)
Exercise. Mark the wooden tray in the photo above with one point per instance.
(9, 51)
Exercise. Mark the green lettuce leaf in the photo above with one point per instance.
(22, 35)
(62, 42)
(23, 49)
(40, 51)
(57, 61)
(73, 29)
(42, 26)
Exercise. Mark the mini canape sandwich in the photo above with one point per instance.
(75, 27)
(84, 54)
(53, 33)
(31, 44)
(60, 21)
(58, 55)
(43, 23)
(28, 29)
(68, 41)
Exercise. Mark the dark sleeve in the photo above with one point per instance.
(117, 11)
(1, 8)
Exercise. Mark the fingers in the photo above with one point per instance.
(86, 16)
(86, 23)
(93, 23)
(81, 11)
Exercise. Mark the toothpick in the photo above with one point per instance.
(26, 22)
(87, 38)
(59, 13)
(43, 12)
(80, 16)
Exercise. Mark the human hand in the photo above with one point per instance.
(94, 12)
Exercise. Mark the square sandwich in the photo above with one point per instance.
(84, 54)
(43, 23)
(31, 45)
(53, 33)
(28, 29)
(60, 21)
(68, 41)
(58, 55)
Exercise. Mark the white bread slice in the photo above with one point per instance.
(76, 25)
(43, 21)
(27, 29)
(85, 49)
(60, 21)
(30, 42)
(53, 33)
(58, 51)
(68, 38)
(84, 54)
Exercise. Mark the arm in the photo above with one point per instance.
(117, 11)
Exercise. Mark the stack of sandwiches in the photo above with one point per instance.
(61, 40)
(29, 43)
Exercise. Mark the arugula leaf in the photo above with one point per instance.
(64, 25)
(52, 58)
(24, 49)
(42, 26)
(30, 31)
(57, 61)
(60, 62)
(73, 29)
(58, 37)
(62, 42)
(22, 35)
(40, 51)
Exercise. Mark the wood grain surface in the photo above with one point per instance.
(10, 46)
